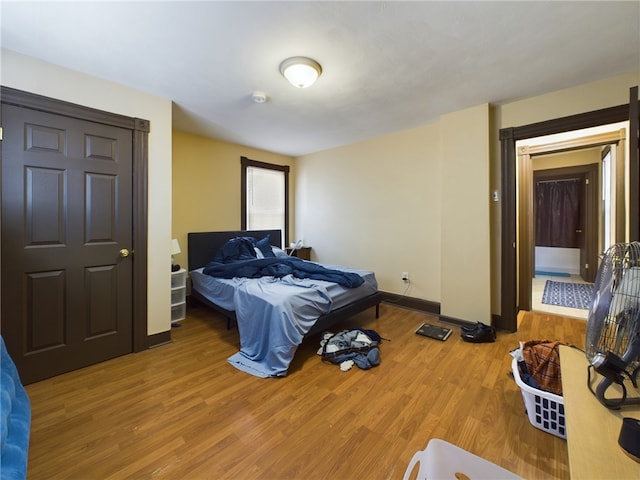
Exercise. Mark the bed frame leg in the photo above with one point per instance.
(377, 310)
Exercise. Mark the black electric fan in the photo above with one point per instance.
(613, 327)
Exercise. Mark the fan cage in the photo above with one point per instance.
(613, 324)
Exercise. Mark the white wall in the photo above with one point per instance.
(557, 260)
(35, 76)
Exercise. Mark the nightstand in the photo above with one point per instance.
(301, 252)
(178, 295)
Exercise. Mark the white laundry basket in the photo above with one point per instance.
(544, 409)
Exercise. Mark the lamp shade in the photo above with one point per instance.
(175, 247)
(301, 72)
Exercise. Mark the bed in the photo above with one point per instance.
(273, 314)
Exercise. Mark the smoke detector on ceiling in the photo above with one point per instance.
(259, 97)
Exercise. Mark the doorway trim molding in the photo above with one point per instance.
(140, 133)
(526, 207)
(507, 320)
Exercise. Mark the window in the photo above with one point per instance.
(265, 196)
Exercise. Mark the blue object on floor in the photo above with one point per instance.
(15, 420)
(552, 274)
(565, 294)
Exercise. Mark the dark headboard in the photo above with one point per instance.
(203, 245)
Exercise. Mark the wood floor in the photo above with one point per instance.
(180, 411)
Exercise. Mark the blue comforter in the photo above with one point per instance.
(279, 267)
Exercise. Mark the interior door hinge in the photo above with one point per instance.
(1, 134)
(586, 181)
(586, 266)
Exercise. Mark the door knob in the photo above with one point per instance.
(578, 231)
(124, 253)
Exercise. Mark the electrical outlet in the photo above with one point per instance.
(405, 276)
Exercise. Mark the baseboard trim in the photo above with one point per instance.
(495, 319)
(403, 301)
(411, 303)
(158, 339)
(455, 321)
(427, 306)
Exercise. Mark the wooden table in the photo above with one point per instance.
(301, 252)
(593, 429)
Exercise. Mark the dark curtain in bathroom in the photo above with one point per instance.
(557, 213)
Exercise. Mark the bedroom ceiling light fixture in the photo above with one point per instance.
(301, 72)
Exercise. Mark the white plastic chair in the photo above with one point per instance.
(442, 460)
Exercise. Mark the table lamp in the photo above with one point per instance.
(175, 249)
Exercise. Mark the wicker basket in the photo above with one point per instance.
(545, 410)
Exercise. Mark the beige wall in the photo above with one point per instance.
(466, 293)
(583, 98)
(408, 201)
(35, 76)
(375, 205)
(206, 185)
(566, 159)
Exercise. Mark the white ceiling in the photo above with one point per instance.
(388, 66)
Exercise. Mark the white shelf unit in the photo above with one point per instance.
(178, 295)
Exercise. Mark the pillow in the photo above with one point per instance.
(278, 252)
(265, 247)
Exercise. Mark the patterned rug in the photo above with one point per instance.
(564, 294)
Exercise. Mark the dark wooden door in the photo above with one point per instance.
(582, 230)
(590, 225)
(634, 164)
(66, 217)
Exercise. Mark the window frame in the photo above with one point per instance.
(247, 162)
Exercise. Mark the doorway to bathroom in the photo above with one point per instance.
(574, 216)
